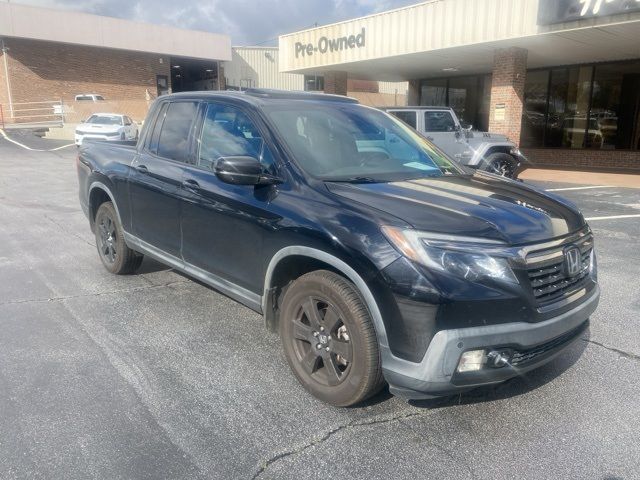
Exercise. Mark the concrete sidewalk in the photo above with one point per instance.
(628, 180)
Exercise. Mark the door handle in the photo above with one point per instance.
(430, 139)
(190, 184)
(142, 168)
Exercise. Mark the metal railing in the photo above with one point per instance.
(46, 112)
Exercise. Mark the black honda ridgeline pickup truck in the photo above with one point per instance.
(377, 259)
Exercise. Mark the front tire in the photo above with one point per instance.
(501, 164)
(114, 253)
(329, 339)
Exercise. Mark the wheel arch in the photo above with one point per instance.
(483, 151)
(293, 261)
(98, 194)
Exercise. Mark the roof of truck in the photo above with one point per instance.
(418, 107)
(260, 95)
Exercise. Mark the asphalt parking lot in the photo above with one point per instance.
(157, 376)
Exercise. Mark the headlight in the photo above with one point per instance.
(460, 256)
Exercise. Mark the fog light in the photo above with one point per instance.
(498, 359)
(471, 361)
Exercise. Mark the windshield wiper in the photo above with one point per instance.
(355, 180)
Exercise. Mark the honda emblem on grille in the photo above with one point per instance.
(572, 261)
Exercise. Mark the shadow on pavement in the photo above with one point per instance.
(149, 265)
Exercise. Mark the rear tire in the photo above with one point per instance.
(114, 253)
(501, 164)
(329, 339)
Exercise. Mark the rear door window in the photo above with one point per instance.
(175, 134)
(155, 133)
(407, 116)
(439, 122)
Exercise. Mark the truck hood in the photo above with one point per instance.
(481, 205)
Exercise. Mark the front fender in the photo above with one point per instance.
(484, 149)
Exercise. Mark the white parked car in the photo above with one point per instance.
(106, 126)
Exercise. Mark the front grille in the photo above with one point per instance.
(522, 357)
(546, 272)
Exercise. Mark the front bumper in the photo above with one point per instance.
(80, 137)
(436, 374)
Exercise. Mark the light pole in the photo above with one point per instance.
(6, 75)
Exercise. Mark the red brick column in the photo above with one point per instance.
(335, 82)
(507, 92)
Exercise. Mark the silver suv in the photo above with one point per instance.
(480, 150)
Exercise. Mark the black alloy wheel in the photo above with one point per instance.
(107, 239)
(321, 342)
(329, 339)
(114, 253)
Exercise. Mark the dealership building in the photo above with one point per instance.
(560, 77)
(51, 59)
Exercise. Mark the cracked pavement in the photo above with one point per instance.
(157, 376)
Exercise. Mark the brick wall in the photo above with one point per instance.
(379, 99)
(335, 82)
(4, 100)
(48, 71)
(614, 160)
(507, 88)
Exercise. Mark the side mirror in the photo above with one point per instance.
(242, 170)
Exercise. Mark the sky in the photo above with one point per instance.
(257, 22)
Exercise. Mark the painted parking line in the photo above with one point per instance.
(577, 188)
(6, 137)
(613, 217)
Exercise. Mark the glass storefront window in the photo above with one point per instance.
(615, 106)
(433, 93)
(463, 98)
(468, 96)
(568, 108)
(313, 83)
(535, 109)
(589, 106)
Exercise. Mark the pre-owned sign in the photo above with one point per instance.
(325, 44)
(559, 11)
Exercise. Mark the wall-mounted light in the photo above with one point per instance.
(176, 66)
(450, 69)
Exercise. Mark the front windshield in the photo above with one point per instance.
(105, 119)
(350, 142)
